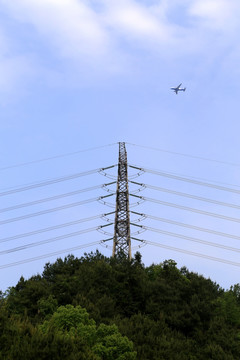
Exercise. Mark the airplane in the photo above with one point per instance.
(178, 88)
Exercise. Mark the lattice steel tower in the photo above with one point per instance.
(122, 240)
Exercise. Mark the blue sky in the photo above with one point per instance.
(79, 74)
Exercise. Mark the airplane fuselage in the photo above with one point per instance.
(178, 88)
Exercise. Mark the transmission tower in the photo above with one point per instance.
(122, 241)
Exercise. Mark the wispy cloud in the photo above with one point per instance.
(79, 28)
(132, 20)
(72, 26)
(222, 15)
(104, 34)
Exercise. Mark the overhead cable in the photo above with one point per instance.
(202, 212)
(185, 155)
(53, 181)
(52, 254)
(55, 157)
(212, 201)
(56, 197)
(56, 227)
(47, 241)
(63, 207)
(210, 231)
(188, 238)
(185, 179)
(190, 252)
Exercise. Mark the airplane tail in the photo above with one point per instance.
(184, 89)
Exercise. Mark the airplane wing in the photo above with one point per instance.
(179, 86)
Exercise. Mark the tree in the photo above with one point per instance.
(168, 314)
(105, 340)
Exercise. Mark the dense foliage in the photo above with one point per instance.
(114, 309)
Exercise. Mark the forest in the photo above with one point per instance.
(100, 308)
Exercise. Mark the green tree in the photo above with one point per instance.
(167, 313)
(105, 340)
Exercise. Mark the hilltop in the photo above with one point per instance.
(96, 307)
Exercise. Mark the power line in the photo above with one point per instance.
(186, 179)
(56, 227)
(188, 238)
(218, 233)
(55, 157)
(56, 197)
(47, 241)
(185, 155)
(43, 212)
(190, 253)
(202, 212)
(54, 181)
(212, 201)
(52, 254)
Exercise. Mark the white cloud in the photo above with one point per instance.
(77, 29)
(72, 26)
(104, 34)
(135, 21)
(220, 15)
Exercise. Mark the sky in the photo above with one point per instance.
(79, 76)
